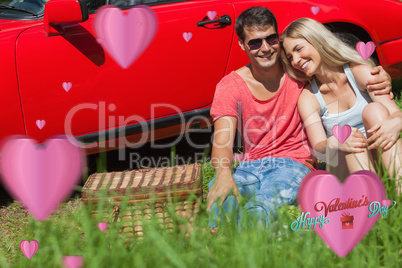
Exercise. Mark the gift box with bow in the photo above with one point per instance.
(347, 221)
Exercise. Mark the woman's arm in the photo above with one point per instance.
(310, 110)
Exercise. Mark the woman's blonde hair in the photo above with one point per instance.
(333, 51)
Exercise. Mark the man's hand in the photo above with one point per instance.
(355, 143)
(381, 83)
(384, 134)
(223, 186)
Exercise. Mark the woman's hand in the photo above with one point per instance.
(355, 143)
(385, 134)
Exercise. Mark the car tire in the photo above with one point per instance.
(351, 40)
(348, 38)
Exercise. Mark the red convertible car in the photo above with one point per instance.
(56, 78)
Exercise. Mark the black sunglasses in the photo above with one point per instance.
(272, 39)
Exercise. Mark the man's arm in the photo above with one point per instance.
(222, 159)
(380, 83)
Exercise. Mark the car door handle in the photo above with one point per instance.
(225, 19)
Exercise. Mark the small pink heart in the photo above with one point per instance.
(341, 133)
(321, 194)
(365, 50)
(386, 202)
(29, 248)
(72, 261)
(238, 157)
(67, 86)
(102, 226)
(40, 123)
(187, 36)
(211, 15)
(315, 10)
(347, 223)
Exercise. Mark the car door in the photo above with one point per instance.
(69, 82)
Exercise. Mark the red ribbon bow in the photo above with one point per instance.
(345, 214)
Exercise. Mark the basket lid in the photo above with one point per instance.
(140, 181)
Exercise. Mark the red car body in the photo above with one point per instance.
(169, 89)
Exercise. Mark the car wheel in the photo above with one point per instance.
(348, 38)
(351, 40)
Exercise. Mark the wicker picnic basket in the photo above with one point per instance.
(150, 192)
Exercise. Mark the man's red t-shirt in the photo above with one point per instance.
(270, 128)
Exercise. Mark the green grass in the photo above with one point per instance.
(72, 231)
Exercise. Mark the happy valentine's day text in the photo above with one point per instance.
(302, 221)
(336, 205)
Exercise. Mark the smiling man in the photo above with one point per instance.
(260, 100)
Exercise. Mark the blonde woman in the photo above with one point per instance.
(337, 95)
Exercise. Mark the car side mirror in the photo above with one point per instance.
(58, 12)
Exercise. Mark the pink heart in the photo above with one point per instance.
(102, 226)
(187, 36)
(40, 176)
(67, 86)
(365, 50)
(320, 187)
(238, 157)
(125, 36)
(341, 133)
(315, 10)
(347, 224)
(211, 15)
(29, 248)
(73, 261)
(386, 202)
(40, 123)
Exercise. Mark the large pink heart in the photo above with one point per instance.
(40, 176)
(125, 36)
(320, 187)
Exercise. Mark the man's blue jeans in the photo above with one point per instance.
(265, 185)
